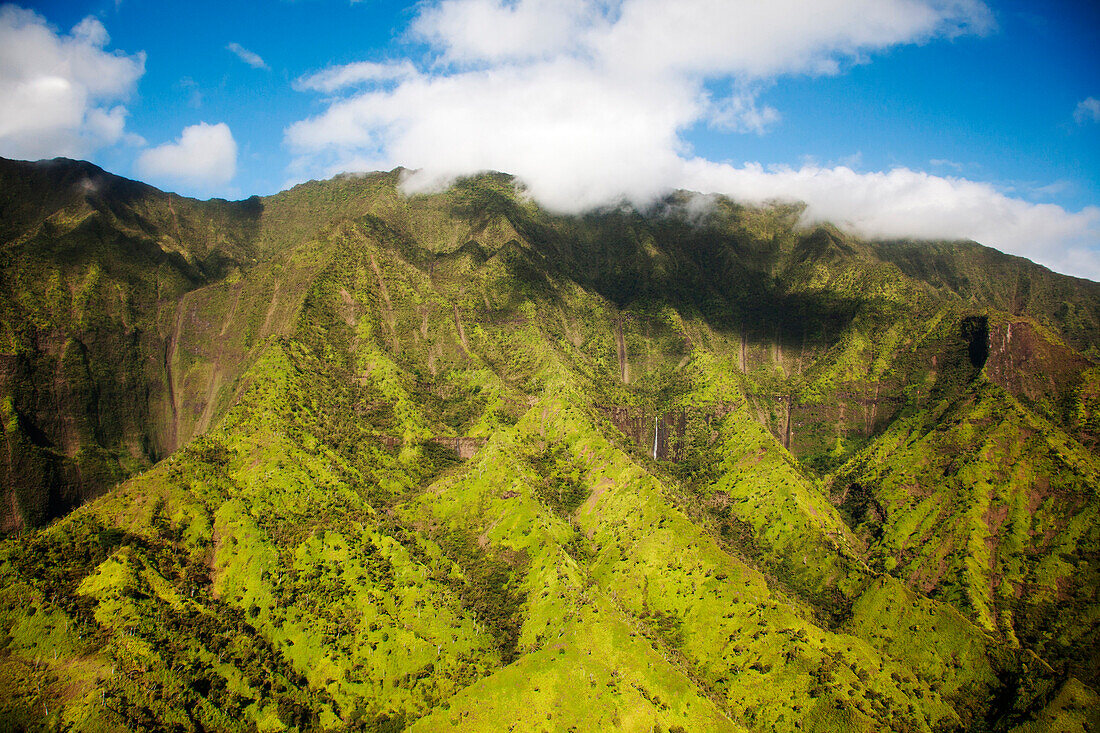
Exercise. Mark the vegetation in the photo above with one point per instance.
(342, 459)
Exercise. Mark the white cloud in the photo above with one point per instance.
(249, 57)
(588, 101)
(60, 92)
(753, 39)
(578, 137)
(204, 157)
(585, 99)
(1088, 110)
(491, 30)
(743, 37)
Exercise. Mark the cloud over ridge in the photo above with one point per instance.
(588, 102)
(903, 203)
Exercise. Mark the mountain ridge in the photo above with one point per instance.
(722, 473)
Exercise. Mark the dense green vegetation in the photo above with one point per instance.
(342, 459)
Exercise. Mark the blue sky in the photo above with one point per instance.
(927, 118)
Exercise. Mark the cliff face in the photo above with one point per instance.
(93, 270)
(453, 461)
(1037, 367)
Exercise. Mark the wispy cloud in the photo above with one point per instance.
(853, 161)
(249, 57)
(740, 112)
(943, 163)
(1050, 190)
(1088, 110)
(191, 88)
(341, 77)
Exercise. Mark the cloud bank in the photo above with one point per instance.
(204, 156)
(903, 203)
(61, 93)
(588, 102)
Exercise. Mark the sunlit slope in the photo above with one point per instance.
(993, 509)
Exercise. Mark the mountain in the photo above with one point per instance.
(344, 459)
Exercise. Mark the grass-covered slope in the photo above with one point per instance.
(451, 462)
(994, 510)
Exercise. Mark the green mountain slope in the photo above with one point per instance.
(454, 462)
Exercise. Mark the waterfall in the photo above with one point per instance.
(655, 438)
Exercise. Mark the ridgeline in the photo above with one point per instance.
(342, 459)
